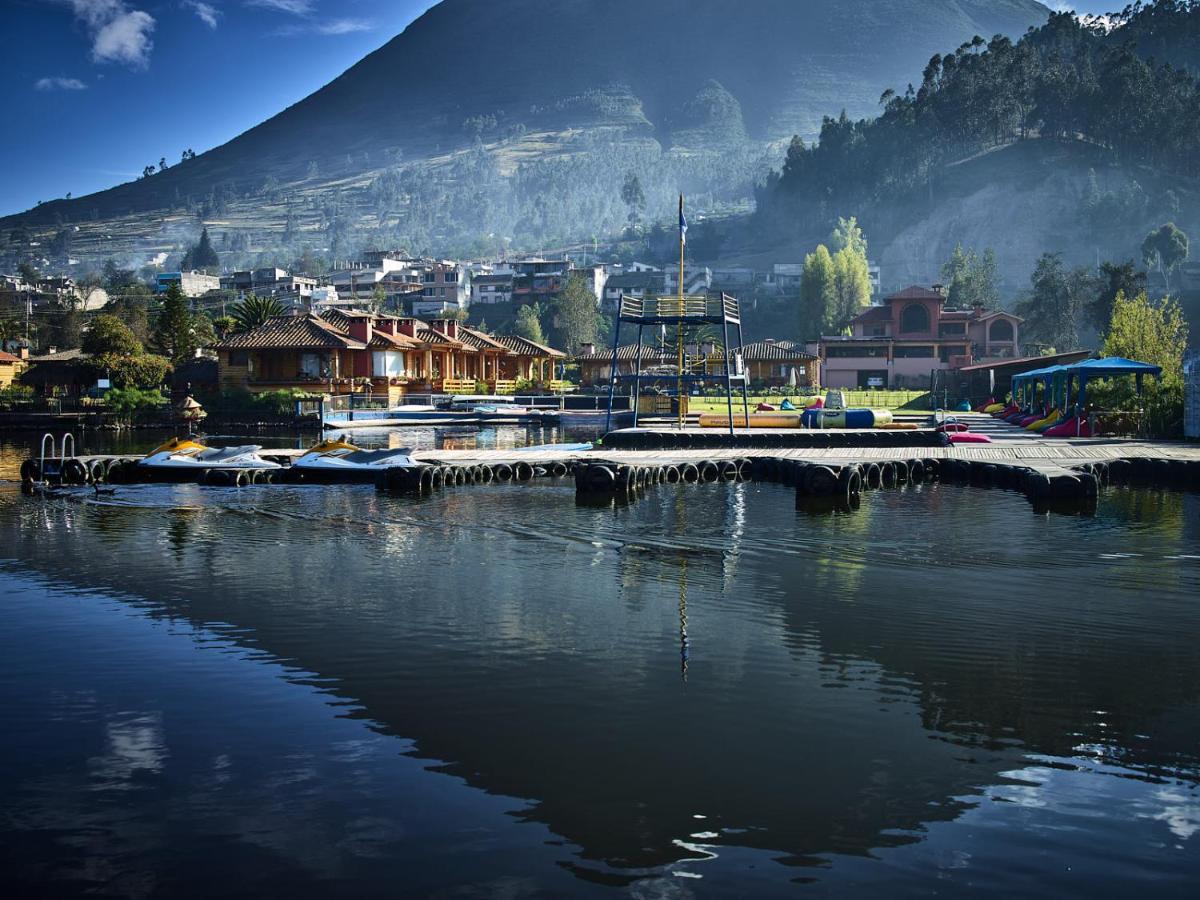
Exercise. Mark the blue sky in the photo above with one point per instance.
(94, 90)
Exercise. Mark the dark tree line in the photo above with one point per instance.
(1068, 79)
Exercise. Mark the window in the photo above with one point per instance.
(913, 352)
(388, 364)
(1000, 330)
(855, 352)
(311, 364)
(952, 329)
(915, 318)
(451, 277)
(239, 358)
(429, 277)
(879, 331)
(945, 352)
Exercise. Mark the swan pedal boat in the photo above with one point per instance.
(183, 458)
(337, 460)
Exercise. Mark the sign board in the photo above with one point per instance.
(875, 381)
(103, 383)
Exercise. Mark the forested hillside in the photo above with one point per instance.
(1071, 139)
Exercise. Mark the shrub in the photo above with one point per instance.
(130, 404)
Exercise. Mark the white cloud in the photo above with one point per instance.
(205, 12)
(119, 34)
(59, 84)
(326, 27)
(295, 7)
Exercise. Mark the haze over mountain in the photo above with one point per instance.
(553, 97)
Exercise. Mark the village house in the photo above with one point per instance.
(902, 341)
(355, 351)
(10, 368)
(193, 284)
(629, 284)
(489, 289)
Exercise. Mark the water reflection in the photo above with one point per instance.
(704, 680)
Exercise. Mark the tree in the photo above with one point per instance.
(1156, 333)
(528, 324)
(1051, 311)
(851, 287)
(847, 235)
(378, 298)
(575, 317)
(203, 256)
(1115, 278)
(254, 311)
(224, 325)
(1165, 247)
(971, 279)
(818, 292)
(1147, 331)
(633, 197)
(109, 334)
(174, 335)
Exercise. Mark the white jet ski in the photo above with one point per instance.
(337, 460)
(183, 458)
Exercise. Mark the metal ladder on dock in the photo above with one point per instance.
(57, 459)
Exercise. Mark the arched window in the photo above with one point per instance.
(914, 318)
(1000, 330)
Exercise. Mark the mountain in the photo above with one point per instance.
(538, 107)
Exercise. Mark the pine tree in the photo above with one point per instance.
(174, 336)
(203, 256)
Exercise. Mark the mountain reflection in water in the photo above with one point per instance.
(705, 683)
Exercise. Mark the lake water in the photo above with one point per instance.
(494, 692)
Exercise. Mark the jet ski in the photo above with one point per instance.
(184, 459)
(338, 460)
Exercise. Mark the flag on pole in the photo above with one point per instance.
(682, 222)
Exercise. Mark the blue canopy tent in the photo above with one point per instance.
(1107, 367)
(1027, 382)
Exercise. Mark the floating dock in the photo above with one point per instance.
(1068, 470)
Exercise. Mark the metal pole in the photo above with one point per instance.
(612, 371)
(728, 383)
(745, 377)
(682, 242)
(637, 376)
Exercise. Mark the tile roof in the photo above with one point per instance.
(8, 357)
(292, 332)
(874, 314)
(915, 292)
(770, 351)
(429, 335)
(525, 347)
(628, 353)
(478, 340)
(60, 356)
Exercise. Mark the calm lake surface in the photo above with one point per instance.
(493, 692)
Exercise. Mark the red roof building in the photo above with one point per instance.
(900, 343)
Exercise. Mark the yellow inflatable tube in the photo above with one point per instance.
(757, 420)
(994, 408)
(1044, 423)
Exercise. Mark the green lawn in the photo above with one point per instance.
(907, 401)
